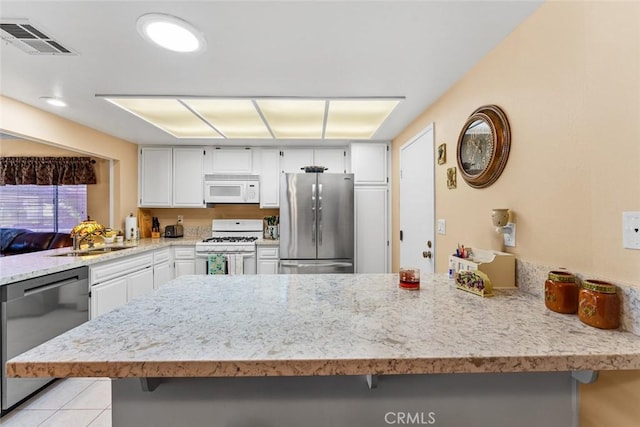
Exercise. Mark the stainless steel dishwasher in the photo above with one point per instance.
(34, 311)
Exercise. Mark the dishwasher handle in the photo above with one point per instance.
(43, 288)
(35, 285)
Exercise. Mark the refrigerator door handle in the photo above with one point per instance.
(313, 213)
(320, 214)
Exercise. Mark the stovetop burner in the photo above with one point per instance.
(230, 239)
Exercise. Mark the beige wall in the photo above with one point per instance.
(31, 123)
(569, 81)
(97, 194)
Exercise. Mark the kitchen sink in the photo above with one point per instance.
(92, 251)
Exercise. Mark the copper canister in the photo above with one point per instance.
(599, 304)
(561, 292)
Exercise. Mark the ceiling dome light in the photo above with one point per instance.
(170, 33)
(56, 102)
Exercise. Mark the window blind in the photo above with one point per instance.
(55, 208)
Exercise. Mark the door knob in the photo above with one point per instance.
(426, 254)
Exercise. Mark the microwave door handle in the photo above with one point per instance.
(313, 213)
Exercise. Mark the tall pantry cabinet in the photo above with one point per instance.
(370, 167)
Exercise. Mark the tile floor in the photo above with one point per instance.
(73, 402)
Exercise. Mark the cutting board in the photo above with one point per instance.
(144, 222)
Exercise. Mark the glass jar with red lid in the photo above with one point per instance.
(561, 292)
(599, 304)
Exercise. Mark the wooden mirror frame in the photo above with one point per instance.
(497, 122)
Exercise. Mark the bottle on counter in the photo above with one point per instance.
(561, 292)
(599, 304)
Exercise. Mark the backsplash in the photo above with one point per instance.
(530, 278)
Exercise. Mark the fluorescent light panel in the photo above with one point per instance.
(294, 118)
(234, 118)
(281, 118)
(169, 115)
(356, 118)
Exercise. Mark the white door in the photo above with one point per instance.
(417, 225)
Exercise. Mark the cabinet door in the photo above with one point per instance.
(371, 229)
(295, 158)
(184, 267)
(232, 160)
(369, 163)
(270, 179)
(155, 176)
(108, 295)
(188, 177)
(334, 159)
(139, 283)
(267, 266)
(162, 273)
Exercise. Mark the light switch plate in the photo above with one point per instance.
(442, 226)
(631, 230)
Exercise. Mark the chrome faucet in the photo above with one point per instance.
(77, 241)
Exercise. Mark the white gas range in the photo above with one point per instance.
(234, 239)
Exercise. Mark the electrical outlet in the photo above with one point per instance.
(631, 230)
(510, 237)
(442, 226)
(180, 219)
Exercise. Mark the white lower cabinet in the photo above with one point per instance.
(114, 283)
(107, 296)
(267, 259)
(162, 267)
(184, 259)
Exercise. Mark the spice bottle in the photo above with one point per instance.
(561, 292)
(599, 304)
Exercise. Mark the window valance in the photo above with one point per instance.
(46, 171)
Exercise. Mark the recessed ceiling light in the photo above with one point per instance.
(170, 33)
(56, 102)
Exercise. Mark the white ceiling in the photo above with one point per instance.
(411, 49)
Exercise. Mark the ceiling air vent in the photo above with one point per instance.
(34, 41)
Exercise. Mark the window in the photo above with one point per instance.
(55, 208)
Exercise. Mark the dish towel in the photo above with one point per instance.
(217, 264)
(235, 264)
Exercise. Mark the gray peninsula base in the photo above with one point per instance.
(508, 399)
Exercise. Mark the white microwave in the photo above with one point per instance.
(220, 188)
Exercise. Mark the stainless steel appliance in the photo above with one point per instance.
(233, 238)
(34, 311)
(231, 188)
(316, 223)
(172, 231)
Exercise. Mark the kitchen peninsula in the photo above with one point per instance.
(333, 350)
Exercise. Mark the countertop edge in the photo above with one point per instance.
(275, 368)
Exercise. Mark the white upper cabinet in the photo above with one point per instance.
(231, 161)
(155, 176)
(369, 163)
(334, 159)
(171, 177)
(295, 158)
(188, 177)
(270, 178)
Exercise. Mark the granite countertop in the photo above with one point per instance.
(25, 266)
(283, 325)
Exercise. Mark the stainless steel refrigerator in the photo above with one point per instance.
(316, 223)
